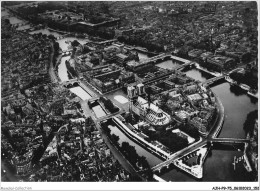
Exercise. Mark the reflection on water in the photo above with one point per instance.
(64, 45)
(169, 64)
(237, 90)
(253, 100)
(237, 106)
(45, 31)
(62, 69)
(217, 167)
(152, 160)
(198, 75)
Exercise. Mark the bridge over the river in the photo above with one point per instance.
(170, 162)
(67, 52)
(72, 82)
(156, 59)
(179, 154)
(19, 24)
(76, 82)
(213, 80)
(231, 141)
(184, 65)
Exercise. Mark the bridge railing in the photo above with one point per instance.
(154, 58)
(183, 65)
(229, 140)
(213, 80)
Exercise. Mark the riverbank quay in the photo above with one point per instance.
(52, 73)
(140, 140)
(88, 112)
(214, 131)
(216, 74)
(43, 108)
(124, 162)
(87, 160)
(228, 79)
(244, 87)
(255, 95)
(219, 121)
(196, 168)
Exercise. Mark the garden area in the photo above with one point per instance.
(247, 78)
(109, 105)
(138, 162)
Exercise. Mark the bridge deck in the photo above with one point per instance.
(203, 143)
(180, 59)
(183, 65)
(213, 80)
(229, 140)
(154, 58)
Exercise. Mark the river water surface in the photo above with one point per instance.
(218, 165)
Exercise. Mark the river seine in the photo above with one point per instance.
(218, 165)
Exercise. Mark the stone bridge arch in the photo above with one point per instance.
(76, 84)
(166, 58)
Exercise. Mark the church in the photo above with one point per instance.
(148, 111)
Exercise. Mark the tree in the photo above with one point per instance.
(143, 162)
(125, 147)
(110, 106)
(56, 47)
(39, 34)
(106, 128)
(192, 131)
(52, 37)
(7, 21)
(250, 121)
(115, 138)
(164, 99)
(104, 7)
(44, 36)
(246, 57)
(236, 76)
(75, 43)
